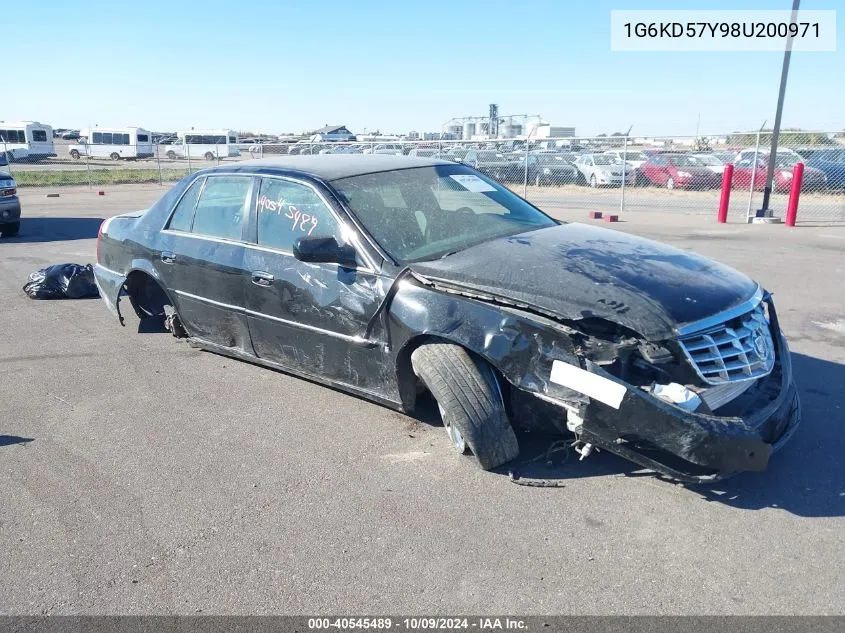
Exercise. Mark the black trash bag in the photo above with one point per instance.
(62, 281)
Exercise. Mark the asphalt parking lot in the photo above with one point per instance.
(139, 475)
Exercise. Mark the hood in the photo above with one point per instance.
(609, 168)
(577, 271)
(695, 171)
(5, 174)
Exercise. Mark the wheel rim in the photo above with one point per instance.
(455, 438)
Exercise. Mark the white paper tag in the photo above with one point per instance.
(590, 384)
(472, 183)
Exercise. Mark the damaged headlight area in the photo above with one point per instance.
(717, 400)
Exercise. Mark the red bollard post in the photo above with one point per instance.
(794, 193)
(727, 177)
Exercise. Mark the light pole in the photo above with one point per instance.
(765, 212)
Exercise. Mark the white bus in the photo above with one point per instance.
(209, 144)
(24, 140)
(114, 143)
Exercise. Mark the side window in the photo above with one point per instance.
(220, 210)
(184, 213)
(97, 137)
(288, 210)
(39, 136)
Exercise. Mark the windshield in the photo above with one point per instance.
(629, 155)
(786, 160)
(606, 159)
(684, 161)
(709, 160)
(830, 155)
(552, 159)
(427, 212)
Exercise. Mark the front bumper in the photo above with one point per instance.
(691, 447)
(10, 210)
(700, 447)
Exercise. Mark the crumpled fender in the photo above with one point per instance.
(521, 346)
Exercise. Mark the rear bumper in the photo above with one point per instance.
(110, 283)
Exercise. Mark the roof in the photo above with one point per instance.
(335, 166)
(329, 129)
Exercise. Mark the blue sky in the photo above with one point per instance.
(294, 65)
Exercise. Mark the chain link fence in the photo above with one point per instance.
(612, 174)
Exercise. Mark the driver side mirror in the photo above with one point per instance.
(325, 250)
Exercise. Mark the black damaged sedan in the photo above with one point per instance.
(386, 276)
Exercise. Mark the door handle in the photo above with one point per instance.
(168, 258)
(261, 278)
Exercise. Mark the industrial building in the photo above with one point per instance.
(503, 126)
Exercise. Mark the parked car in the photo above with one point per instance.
(396, 149)
(750, 153)
(711, 162)
(832, 163)
(679, 171)
(603, 169)
(387, 276)
(10, 204)
(423, 152)
(744, 170)
(724, 156)
(548, 168)
(632, 156)
(71, 135)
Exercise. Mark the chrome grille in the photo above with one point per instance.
(738, 349)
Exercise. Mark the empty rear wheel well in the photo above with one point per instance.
(146, 295)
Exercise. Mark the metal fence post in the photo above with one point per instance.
(88, 162)
(525, 177)
(624, 174)
(753, 177)
(6, 154)
(187, 147)
(158, 162)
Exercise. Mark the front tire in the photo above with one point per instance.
(10, 230)
(209, 156)
(470, 401)
(74, 154)
(114, 156)
(593, 182)
(171, 155)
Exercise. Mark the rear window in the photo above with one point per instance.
(143, 138)
(39, 136)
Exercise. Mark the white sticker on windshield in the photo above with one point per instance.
(472, 183)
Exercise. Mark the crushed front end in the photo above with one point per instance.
(717, 400)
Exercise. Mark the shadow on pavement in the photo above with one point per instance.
(806, 477)
(9, 440)
(56, 229)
